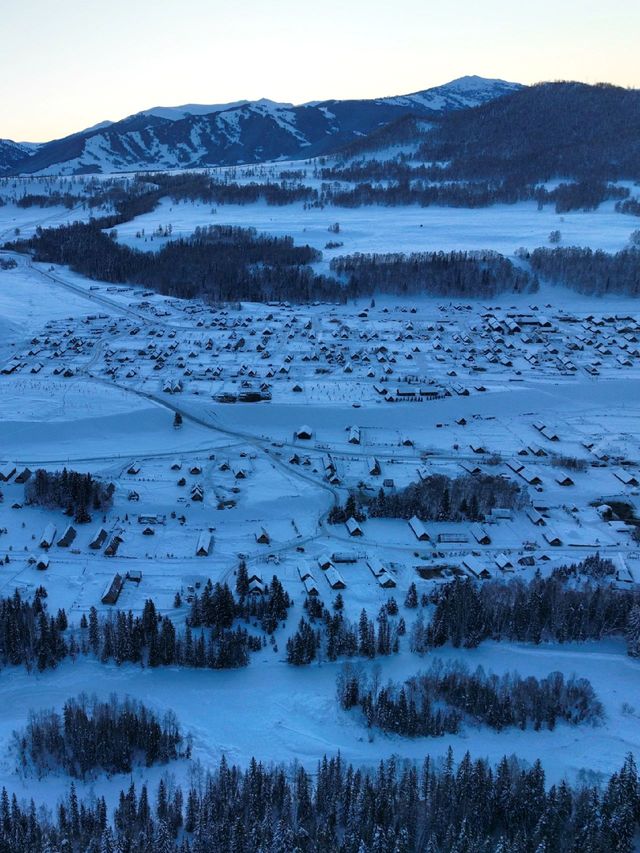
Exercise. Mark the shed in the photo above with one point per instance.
(386, 581)
(344, 557)
(256, 587)
(552, 538)
(113, 590)
(99, 539)
(334, 579)
(23, 476)
(354, 435)
(534, 517)
(42, 563)
(262, 537)
(48, 536)
(353, 527)
(205, 541)
(418, 528)
(476, 568)
(305, 433)
(373, 466)
(311, 586)
(67, 537)
(112, 548)
(7, 471)
(625, 477)
(304, 574)
(563, 479)
(376, 566)
(503, 562)
(480, 534)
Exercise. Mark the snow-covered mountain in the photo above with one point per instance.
(12, 153)
(197, 135)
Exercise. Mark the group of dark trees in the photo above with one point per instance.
(588, 271)
(587, 133)
(28, 634)
(439, 701)
(471, 807)
(53, 199)
(152, 640)
(217, 608)
(74, 492)
(630, 206)
(219, 263)
(442, 498)
(332, 635)
(482, 273)
(91, 735)
(542, 610)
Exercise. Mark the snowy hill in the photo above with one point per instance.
(12, 153)
(196, 135)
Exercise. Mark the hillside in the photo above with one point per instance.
(568, 130)
(243, 132)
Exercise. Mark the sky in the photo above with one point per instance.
(68, 64)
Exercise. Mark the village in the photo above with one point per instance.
(267, 416)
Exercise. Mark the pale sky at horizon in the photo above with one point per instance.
(69, 64)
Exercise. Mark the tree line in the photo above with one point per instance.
(474, 274)
(589, 271)
(31, 637)
(434, 807)
(97, 736)
(440, 700)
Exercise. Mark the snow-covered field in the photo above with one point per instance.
(503, 228)
(82, 386)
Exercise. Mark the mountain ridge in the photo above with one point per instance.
(198, 136)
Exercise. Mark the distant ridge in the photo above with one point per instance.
(198, 135)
